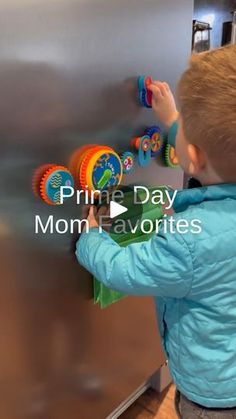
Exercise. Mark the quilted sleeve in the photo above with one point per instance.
(161, 266)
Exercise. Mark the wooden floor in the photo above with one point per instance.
(152, 405)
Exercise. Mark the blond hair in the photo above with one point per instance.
(207, 98)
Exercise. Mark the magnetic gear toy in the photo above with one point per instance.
(145, 95)
(170, 157)
(143, 146)
(128, 160)
(156, 138)
(76, 160)
(96, 167)
(48, 180)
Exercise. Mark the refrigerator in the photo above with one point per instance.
(68, 77)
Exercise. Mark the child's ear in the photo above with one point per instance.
(197, 159)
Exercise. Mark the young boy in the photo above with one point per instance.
(191, 276)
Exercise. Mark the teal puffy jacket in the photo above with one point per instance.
(193, 280)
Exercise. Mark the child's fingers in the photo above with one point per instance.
(163, 86)
(166, 86)
(92, 211)
(156, 91)
(160, 86)
(104, 210)
(85, 211)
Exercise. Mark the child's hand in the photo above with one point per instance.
(92, 215)
(163, 103)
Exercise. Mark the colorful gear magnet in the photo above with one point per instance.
(157, 143)
(170, 157)
(96, 167)
(48, 180)
(75, 162)
(128, 160)
(145, 95)
(143, 147)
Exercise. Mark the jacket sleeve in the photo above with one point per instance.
(161, 266)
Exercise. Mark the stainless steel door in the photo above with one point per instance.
(68, 73)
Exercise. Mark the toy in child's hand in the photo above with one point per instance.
(145, 95)
(143, 146)
(170, 158)
(96, 167)
(155, 134)
(48, 180)
(128, 160)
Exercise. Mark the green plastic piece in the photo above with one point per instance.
(104, 296)
(167, 158)
(105, 178)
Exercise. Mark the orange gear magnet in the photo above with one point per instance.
(96, 167)
(48, 180)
